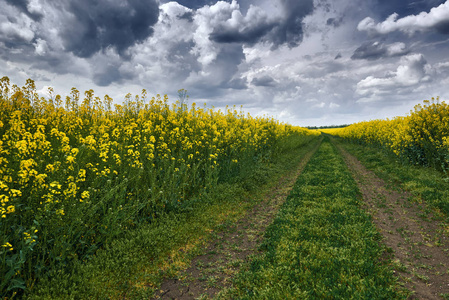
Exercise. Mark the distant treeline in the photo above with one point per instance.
(325, 127)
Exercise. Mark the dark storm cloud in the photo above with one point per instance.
(55, 63)
(370, 51)
(338, 56)
(118, 24)
(187, 16)
(263, 81)
(377, 50)
(22, 5)
(107, 75)
(249, 35)
(443, 27)
(290, 29)
(226, 65)
(248, 29)
(237, 84)
(334, 22)
(285, 30)
(15, 44)
(16, 50)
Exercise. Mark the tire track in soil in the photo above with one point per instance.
(419, 243)
(211, 272)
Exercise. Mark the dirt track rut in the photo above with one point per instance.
(211, 272)
(418, 241)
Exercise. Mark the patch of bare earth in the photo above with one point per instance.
(417, 237)
(212, 271)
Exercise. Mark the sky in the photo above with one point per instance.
(303, 62)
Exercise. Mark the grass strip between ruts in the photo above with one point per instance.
(426, 184)
(322, 245)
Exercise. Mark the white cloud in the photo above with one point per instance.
(40, 46)
(409, 24)
(21, 29)
(412, 70)
(334, 105)
(396, 49)
(253, 54)
(442, 65)
(163, 60)
(206, 19)
(35, 7)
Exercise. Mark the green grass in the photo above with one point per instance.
(322, 245)
(133, 265)
(425, 183)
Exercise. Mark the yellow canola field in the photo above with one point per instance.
(75, 169)
(422, 137)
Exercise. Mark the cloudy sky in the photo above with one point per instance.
(305, 62)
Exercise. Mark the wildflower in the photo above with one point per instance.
(50, 168)
(4, 199)
(3, 186)
(15, 193)
(22, 147)
(71, 190)
(8, 245)
(55, 185)
(40, 179)
(85, 195)
(10, 209)
(75, 151)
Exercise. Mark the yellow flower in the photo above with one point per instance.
(22, 147)
(71, 190)
(49, 168)
(75, 151)
(8, 245)
(85, 195)
(10, 209)
(3, 186)
(81, 175)
(70, 159)
(40, 179)
(15, 193)
(55, 185)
